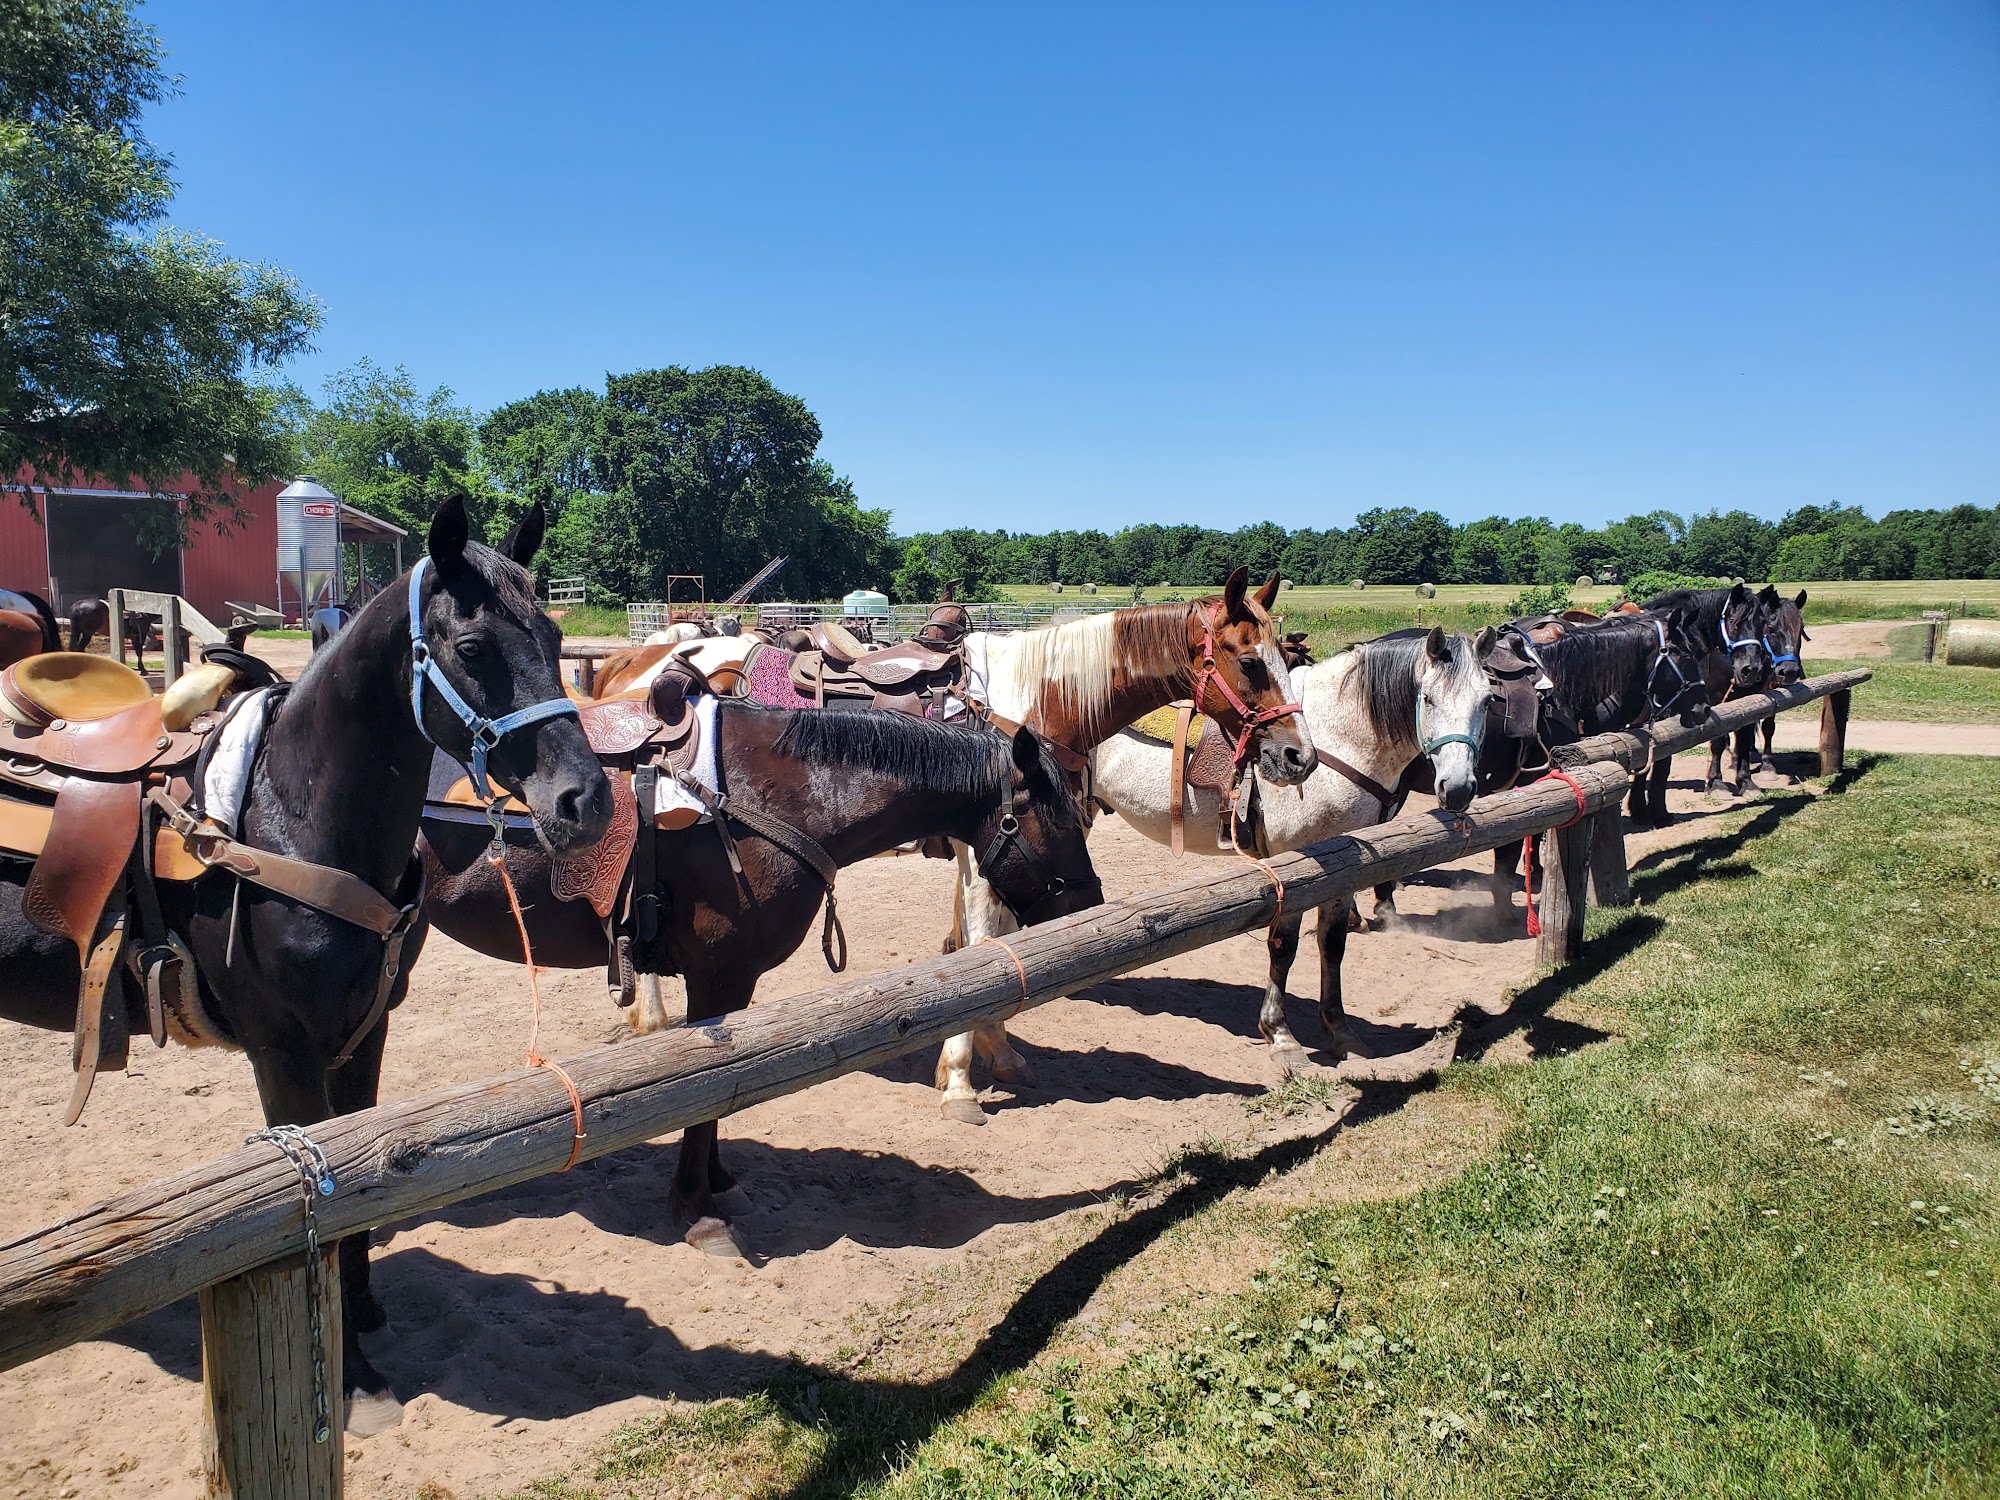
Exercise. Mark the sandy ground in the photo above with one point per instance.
(1800, 731)
(527, 1325)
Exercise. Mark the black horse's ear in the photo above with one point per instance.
(1232, 594)
(524, 540)
(1484, 642)
(449, 533)
(1801, 600)
(1768, 595)
(1268, 594)
(1027, 751)
(1434, 644)
(1738, 594)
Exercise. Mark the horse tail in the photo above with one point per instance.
(51, 630)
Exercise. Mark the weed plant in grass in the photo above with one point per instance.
(1744, 1245)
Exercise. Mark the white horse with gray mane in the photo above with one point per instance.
(1372, 710)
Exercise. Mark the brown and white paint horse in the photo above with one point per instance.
(1080, 682)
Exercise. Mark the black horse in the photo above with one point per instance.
(1730, 626)
(338, 782)
(1592, 677)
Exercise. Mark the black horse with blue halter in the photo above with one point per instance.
(486, 733)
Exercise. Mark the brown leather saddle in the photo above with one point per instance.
(83, 741)
(908, 677)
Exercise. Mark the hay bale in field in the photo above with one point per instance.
(1286, 583)
(1972, 643)
(1055, 588)
(1086, 588)
(1357, 583)
(1427, 591)
(1585, 581)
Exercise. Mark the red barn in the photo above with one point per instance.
(77, 541)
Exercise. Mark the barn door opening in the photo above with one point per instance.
(94, 548)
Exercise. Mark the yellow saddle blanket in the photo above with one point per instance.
(1159, 725)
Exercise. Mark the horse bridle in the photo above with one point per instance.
(1008, 837)
(1254, 720)
(1666, 658)
(486, 733)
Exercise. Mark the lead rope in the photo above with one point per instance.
(315, 1178)
(1019, 968)
(496, 856)
(1555, 773)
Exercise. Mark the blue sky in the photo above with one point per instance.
(1086, 265)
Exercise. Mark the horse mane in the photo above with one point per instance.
(1702, 608)
(922, 753)
(1072, 665)
(1386, 669)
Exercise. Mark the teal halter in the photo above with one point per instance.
(486, 733)
(1431, 747)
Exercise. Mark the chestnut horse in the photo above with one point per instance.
(1080, 682)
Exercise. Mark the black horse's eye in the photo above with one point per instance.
(468, 646)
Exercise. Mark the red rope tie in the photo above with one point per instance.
(1555, 773)
(1019, 968)
(535, 1059)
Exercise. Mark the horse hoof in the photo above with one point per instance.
(370, 1412)
(1017, 1073)
(713, 1236)
(964, 1111)
(1384, 915)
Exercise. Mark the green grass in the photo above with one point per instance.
(1934, 694)
(1744, 1244)
(281, 635)
(592, 619)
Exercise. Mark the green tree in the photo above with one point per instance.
(387, 449)
(542, 448)
(916, 580)
(1728, 544)
(127, 348)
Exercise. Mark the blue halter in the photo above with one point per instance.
(1777, 660)
(486, 733)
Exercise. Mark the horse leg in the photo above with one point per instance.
(354, 1087)
(650, 1009)
(1506, 864)
(1283, 944)
(295, 1091)
(1770, 762)
(976, 915)
(1715, 786)
(1741, 754)
(1385, 912)
(698, 1173)
(1656, 785)
(1331, 929)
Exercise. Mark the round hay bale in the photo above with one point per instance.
(1087, 588)
(1285, 583)
(1972, 643)
(1427, 591)
(1585, 581)
(1056, 587)
(1358, 583)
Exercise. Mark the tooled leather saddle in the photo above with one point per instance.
(912, 676)
(82, 742)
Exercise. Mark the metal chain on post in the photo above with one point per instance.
(316, 1179)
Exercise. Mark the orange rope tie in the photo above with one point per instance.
(1019, 968)
(1555, 773)
(535, 1059)
(1270, 874)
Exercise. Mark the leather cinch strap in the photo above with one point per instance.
(335, 892)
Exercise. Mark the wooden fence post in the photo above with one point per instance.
(172, 648)
(1609, 881)
(1565, 870)
(1833, 733)
(257, 1385)
(116, 601)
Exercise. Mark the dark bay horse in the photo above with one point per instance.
(1729, 625)
(1784, 637)
(338, 782)
(856, 785)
